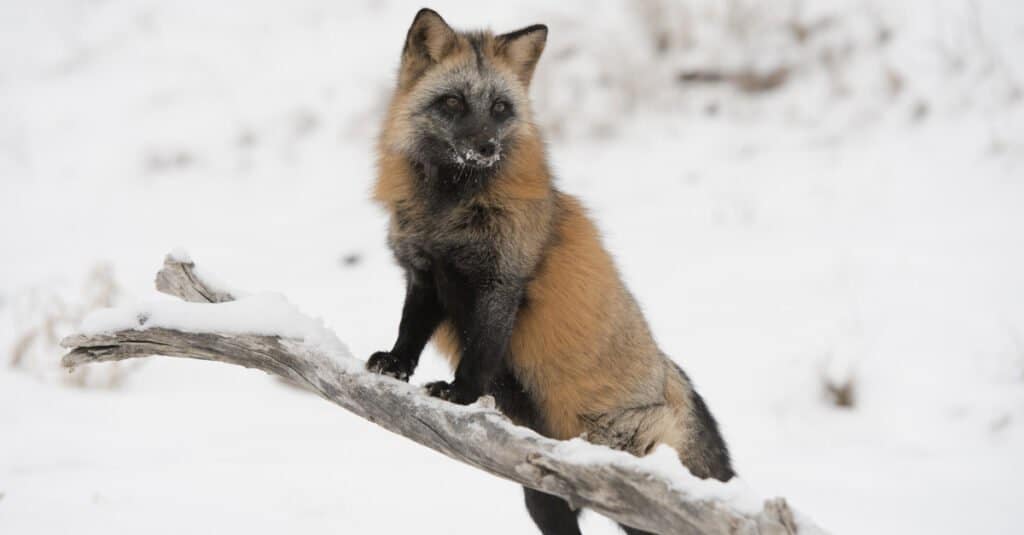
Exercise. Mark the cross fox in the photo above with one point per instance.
(508, 275)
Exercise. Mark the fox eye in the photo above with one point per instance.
(501, 109)
(452, 103)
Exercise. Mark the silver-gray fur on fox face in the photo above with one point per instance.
(466, 122)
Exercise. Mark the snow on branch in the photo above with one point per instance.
(654, 493)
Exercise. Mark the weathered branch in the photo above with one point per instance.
(617, 485)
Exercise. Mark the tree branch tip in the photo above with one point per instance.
(171, 260)
(71, 360)
(72, 341)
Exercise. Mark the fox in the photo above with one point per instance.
(508, 275)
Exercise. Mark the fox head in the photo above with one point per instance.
(461, 101)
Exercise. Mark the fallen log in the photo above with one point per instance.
(654, 493)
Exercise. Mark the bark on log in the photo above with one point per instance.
(477, 435)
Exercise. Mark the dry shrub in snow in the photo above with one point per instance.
(842, 394)
(837, 370)
(39, 317)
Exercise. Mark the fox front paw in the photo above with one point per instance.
(385, 363)
(452, 392)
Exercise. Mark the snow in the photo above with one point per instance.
(179, 254)
(839, 228)
(265, 314)
(664, 462)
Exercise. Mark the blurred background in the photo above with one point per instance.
(819, 204)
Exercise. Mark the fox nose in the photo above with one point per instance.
(486, 149)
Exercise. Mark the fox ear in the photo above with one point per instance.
(429, 40)
(522, 48)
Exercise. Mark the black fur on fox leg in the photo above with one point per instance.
(421, 315)
(634, 531)
(482, 304)
(453, 392)
(552, 514)
(513, 401)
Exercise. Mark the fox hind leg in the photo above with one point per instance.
(551, 514)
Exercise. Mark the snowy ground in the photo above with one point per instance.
(881, 243)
